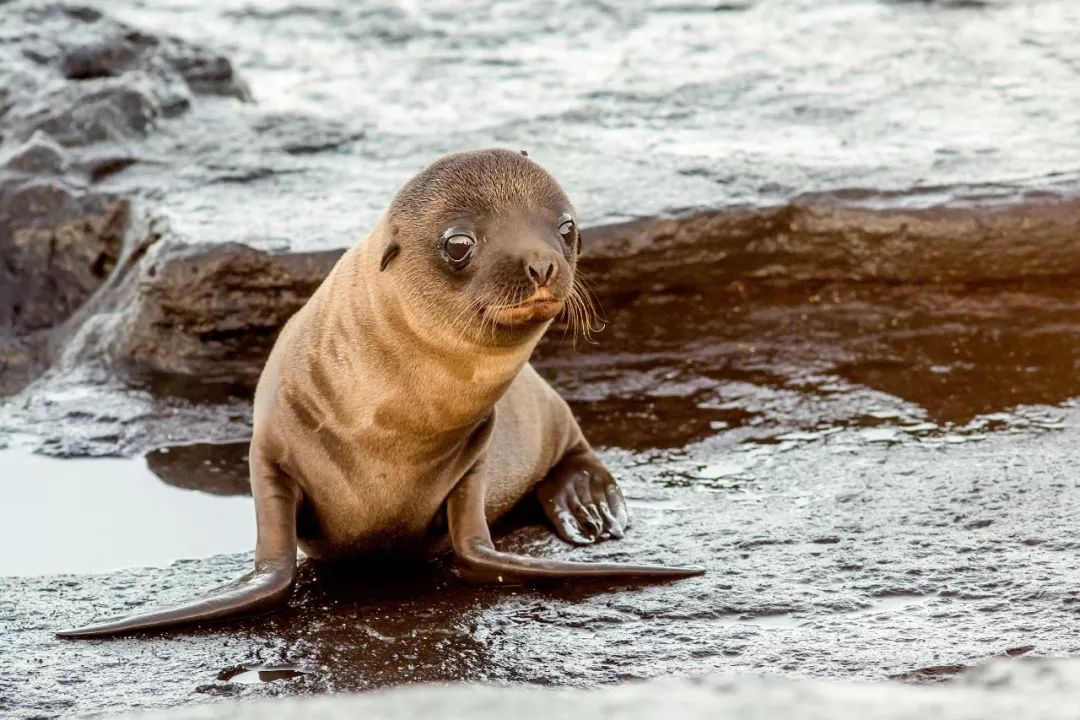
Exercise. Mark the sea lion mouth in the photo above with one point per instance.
(541, 306)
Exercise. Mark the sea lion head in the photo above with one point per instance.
(485, 244)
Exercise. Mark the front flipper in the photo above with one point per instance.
(582, 500)
(480, 562)
(268, 586)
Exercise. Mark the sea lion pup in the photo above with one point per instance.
(403, 387)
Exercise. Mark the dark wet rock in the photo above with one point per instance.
(45, 44)
(296, 134)
(970, 235)
(100, 59)
(110, 112)
(75, 84)
(39, 155)
(110, 49)
(212, 313)
(51, 269)
(58, 244)
(21, 360)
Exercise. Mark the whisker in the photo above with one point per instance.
(582, 313)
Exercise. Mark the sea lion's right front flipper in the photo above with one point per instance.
(266, 587)
(479, 561)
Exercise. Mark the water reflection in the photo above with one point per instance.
(220, 469)
(244, 675)
(755, 363)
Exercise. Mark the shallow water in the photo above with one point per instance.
(104, 514)
(640, 108)
(256, 674)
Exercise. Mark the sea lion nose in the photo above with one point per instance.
(541, 270)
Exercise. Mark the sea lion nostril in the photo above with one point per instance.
(541, 270)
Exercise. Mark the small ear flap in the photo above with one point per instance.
(392, 251)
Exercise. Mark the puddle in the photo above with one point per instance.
(779, 621)
(256, 675)
(877, 369)
(220, 469)
(102, 514)
(890, 604)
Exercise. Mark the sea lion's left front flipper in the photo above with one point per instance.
(481, 562)
(264, 588)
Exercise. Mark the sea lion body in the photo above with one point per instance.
(400, 395)
(374, 450)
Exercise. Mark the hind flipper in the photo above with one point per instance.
(479, 561)
(266, 587)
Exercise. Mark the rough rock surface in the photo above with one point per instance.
(873, 551)
(77, 87)
(212, 315)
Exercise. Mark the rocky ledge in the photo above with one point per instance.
(117, 146)
(77, 88)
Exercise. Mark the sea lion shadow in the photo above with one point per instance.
(385, 579)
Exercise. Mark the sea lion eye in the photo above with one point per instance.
(457, 247)
(566, 226)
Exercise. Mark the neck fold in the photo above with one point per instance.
(428, 384)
